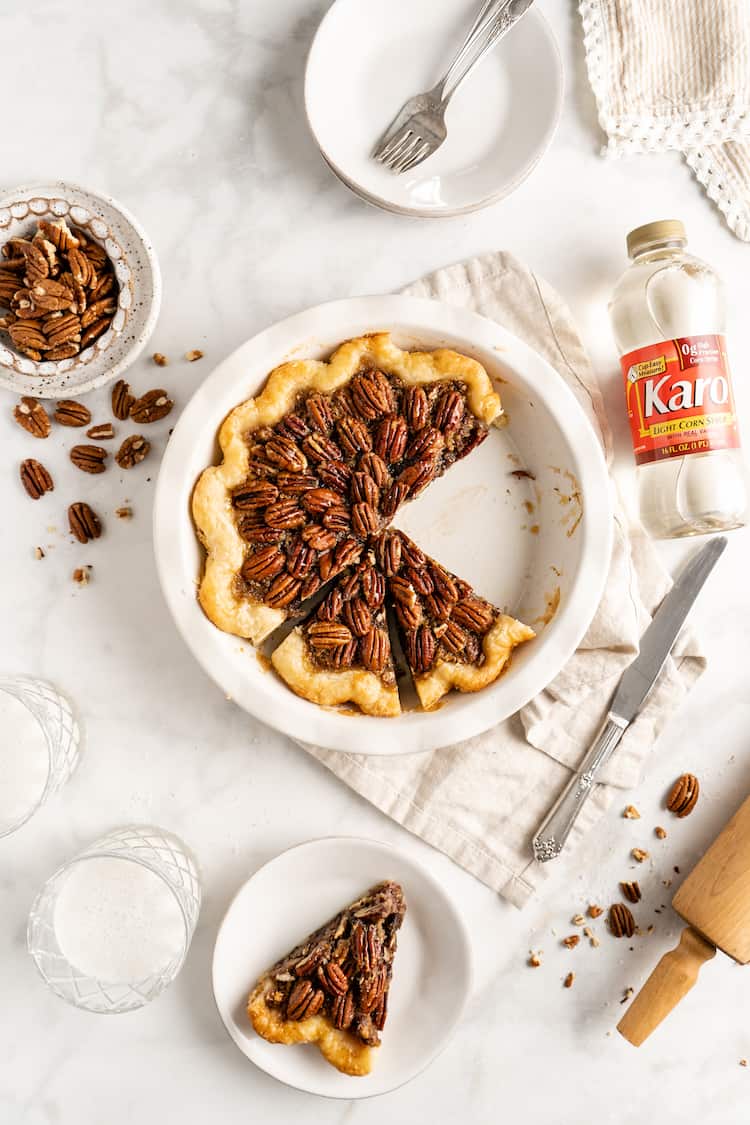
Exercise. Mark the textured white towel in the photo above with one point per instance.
(675, 74)
(480, 801)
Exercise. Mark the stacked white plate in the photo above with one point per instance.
(366, 61)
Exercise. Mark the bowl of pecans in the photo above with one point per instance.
(80, 290)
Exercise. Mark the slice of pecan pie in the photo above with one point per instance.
(320, 461)
(332, 989)
(342, 652)
(451, 637)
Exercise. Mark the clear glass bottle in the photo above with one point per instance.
(668, 316)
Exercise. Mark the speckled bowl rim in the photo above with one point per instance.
(56, 384)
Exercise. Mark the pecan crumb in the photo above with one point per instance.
(124, 513)
(39, 553)
(191, 356)
(594, 911)
(159, 359)
(535, 960)
(630, 812)
(81, 575)
(628, 992)
(578, 920)
(639, 854)
(568, 982)
(743, 1062)
(660, 833)
(571, 941)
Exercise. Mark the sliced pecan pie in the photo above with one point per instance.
(320, 461)
(342, 652)
(451, 637)
(332, 989)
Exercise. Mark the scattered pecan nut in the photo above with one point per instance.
(660, 833)
(132, 451)
(621, 920)
(630, 812)
(89, 458)
(104, 432)
(35, 478)
(159, 359)
(122, 400)
(683, 796)
(33, 417)
(84, 522)
(192, 355)
(632, 891)
(151, 407)
(639, 855)
(71, 413)
(571, 941)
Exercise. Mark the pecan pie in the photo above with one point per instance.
(451, 637)
(332, 989)
(342, 651)
(313, 470)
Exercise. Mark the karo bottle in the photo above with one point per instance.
(668, 316)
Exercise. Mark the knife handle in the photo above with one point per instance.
(556, 826)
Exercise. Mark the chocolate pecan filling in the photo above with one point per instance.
(343, 970)
(332, 473)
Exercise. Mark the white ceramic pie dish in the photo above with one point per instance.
(298, 891)
(537, 548)
(500, 122)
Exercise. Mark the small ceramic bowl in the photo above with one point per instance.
(138, 277)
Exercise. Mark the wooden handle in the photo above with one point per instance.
(672, 979)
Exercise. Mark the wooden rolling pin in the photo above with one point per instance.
(715, 902)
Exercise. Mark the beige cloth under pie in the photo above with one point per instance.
(480, 801)
(675, 74)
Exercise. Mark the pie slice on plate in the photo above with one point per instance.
(332, 989)
(342, 652)
(451, 637)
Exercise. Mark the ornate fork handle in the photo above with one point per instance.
(493, 21)
(555, 829)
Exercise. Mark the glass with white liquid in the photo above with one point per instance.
(111, 929)
(40, 741)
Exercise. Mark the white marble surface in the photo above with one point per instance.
(189, 111)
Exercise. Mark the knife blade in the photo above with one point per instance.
(659, 638)
(632, 690)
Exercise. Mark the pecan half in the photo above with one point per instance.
(454, 638)
(304, 1001)
(373, 587)
(420, 578)
(347, 553)
(293, 426)
(416, 408)
(373, 650)
(282, 591)
(331, 606)
(71, 413)
(426, 445)
(364, 520)
(364, 489)
(319, 538)
(333, 978)
(416, 477)
(358, 617)
(337, 518)
(371, 395)
(391, 437)
(262, 564)
(122, 400)
(388, 551)
(284, 452)
(255, 494)
(318, 500)
(420, 649)
(474, 613)
(336, 474)
(101, 433)
(84, 522)
(353, 435)
(449, 411)
(300, 559)
(132, 451)
(307, 965)
(89, 458)
(632, 891)
(33, 417)
(325, 635)
(375, 467)
(621, 920)
(285, 514)
(321, 449)
(296, 483)
(343, 1011)
(683, 796)
(310, 586)
(35, 478)
(151, 407)
(320, 413)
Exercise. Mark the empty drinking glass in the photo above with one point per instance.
(40, 740)
(111, 928)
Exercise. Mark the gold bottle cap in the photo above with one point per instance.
(666, 230)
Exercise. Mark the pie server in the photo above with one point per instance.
(632, 690)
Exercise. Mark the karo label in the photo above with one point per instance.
(679, 398)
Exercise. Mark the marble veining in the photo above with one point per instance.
(190, 112)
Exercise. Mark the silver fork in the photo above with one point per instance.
(418, 129)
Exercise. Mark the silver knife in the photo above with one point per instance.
(634, 686)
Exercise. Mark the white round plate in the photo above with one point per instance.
(365, 62)
(300, 890)
(137, 271)
(538, 548)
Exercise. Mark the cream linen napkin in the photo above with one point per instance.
(675, 74)
(481, 800)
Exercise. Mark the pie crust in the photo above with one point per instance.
(498, 645)
(329, 688)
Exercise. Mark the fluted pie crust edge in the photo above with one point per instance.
(212, 503)
(331, 687)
